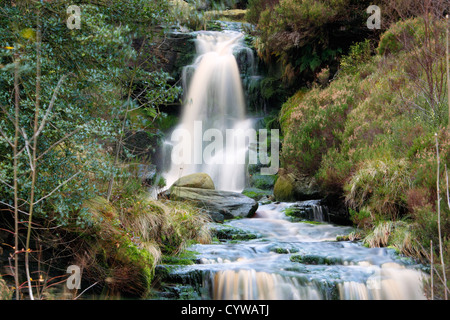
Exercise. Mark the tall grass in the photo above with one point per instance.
(381, 186)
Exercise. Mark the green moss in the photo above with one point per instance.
(232, 233)
(256, 193)
(184, 258)
(315, 259)
(263, 182)
(283, 189)
(284, 250)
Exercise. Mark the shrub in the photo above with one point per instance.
(359, 53)
(401, 35)
(306, 36)
(380, 185)
(312, 123)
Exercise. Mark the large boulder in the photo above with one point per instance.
(218, 204)
(291, 187)
(196, 180)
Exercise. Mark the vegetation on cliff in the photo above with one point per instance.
(370, 136)
(72, 102)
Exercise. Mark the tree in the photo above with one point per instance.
(63, 94)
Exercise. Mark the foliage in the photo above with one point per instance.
(82, 84)
(89, 102)
(382, 154)
(401, 35)
(306, 36)
(381, 186)
(319, 117)
(359, 53)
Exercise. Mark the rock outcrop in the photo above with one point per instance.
(291, 187)
(220, 205)
(196, 180)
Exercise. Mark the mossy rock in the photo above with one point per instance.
(284, 189)
(315, 260)
(196, 180)
(284, 249)
(232, 233)
(264, 182)
(256, 193)
(296, 213)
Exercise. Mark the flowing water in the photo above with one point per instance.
(298, 260)
(285, 259)
(214, 105)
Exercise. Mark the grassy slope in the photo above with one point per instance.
(363, 139)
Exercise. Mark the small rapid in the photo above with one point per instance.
(301, 260)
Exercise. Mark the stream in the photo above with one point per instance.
(289, 260)
(268, 256)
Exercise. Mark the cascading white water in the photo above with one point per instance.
(295, 260)
(214, 102)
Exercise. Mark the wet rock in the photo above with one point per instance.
(195, 180)
(311, 210)
(218, 204)
(290, 187)
(223, 232)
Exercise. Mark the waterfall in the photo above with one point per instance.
(214, 106)
(389, 282)
(300, 261)
(253, 285)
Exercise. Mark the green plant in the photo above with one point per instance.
(359, 53)
(380, 185)
(305, 36)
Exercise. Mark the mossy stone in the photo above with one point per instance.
(284, 189)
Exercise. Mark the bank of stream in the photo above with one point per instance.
(270, 256)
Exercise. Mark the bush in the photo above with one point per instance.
(359, 54)
(380, 185)
(311, 124)
(401, 35)
(306, 36)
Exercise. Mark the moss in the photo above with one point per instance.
(284, 250)
(283, 189)
(256, 193)
(263, 182)
(312, 222)
(232, 233)
(316, 260)
(296, 214)
(184, 258)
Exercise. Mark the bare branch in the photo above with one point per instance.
(57, 188)
(50, 107)
(59, 141)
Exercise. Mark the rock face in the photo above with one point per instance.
(195, 180)
(291, 187)
(218, 204)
